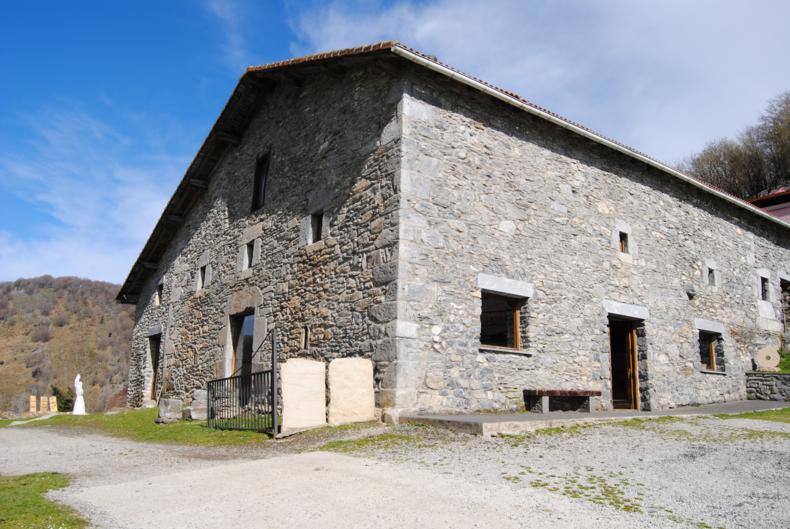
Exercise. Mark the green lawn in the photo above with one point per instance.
(23, 505)
(5, 422)
(139, 425)
(782, 415)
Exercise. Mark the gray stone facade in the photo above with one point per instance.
(332, 149)
(434, 192)
(768, 386)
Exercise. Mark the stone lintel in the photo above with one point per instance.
(154, 330)
(505, 286)
(624, 309)
(702, 324)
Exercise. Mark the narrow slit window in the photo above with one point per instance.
(158, 294)
(305, 337)
(261, 179)
(711, 277)
(764, 288)
(316, 226)
(711, 351)
(500, 321)
(623, 242)
(201, 277)
(248, 253)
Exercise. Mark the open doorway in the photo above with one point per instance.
(154, 346)
(242, 331)
(624, 363)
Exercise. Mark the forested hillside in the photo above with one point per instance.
(53, 328)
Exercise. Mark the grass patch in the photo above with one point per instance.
(374, 442)
(138, 425)
(782, 415)
(5, 422)
(23, 505)
(642, 423)
(610, 489)
(784, 360)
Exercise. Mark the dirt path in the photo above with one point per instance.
(120, 484)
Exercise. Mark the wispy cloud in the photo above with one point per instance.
(665, 77)
(230, 14)
(102, 191)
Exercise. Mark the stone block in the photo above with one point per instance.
(351, 395)
(53, 404)
(169, 411)
(33, 404)
(199, 397)
(44, 404)
(303, 384)
(194, 413)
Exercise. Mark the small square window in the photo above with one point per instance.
(316, 226)
(500, 321)
(764, 289)
(623, 242)
(711, 277)
(201, 277)
(711, 351)
(249, 250)
(158, 294)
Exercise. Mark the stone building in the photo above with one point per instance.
(377, 203)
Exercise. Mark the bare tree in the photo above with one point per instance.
(755, 163)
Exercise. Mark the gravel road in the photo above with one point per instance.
(685, 473)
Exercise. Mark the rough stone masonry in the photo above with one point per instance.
(434, 192)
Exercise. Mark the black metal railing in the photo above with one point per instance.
(241, 402)
(247, 400)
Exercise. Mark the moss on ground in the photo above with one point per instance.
(138, 425)
(611, 488)
(374, 442)
(782, 415)
(24, 506)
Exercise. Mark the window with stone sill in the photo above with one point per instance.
(764, 289)
(711, 351)
(249, 248)
(503, 321)
(624, 242)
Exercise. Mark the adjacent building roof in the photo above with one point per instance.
(776, 204)
(258, 81)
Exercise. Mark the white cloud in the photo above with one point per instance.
(231, 17)
(101, 189)
(665, 77)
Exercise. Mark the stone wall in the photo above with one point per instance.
(334, 143)
(768, 386)
(489, 189)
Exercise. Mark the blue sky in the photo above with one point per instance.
(103, 104)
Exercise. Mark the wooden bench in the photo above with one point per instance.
(537, 400)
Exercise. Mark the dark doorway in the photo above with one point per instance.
(154, 346)
(624, 365)
(242, 331)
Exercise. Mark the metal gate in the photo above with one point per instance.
(247, 401)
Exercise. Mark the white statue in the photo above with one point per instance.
(79, 400)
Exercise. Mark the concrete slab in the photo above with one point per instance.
(490, 424)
